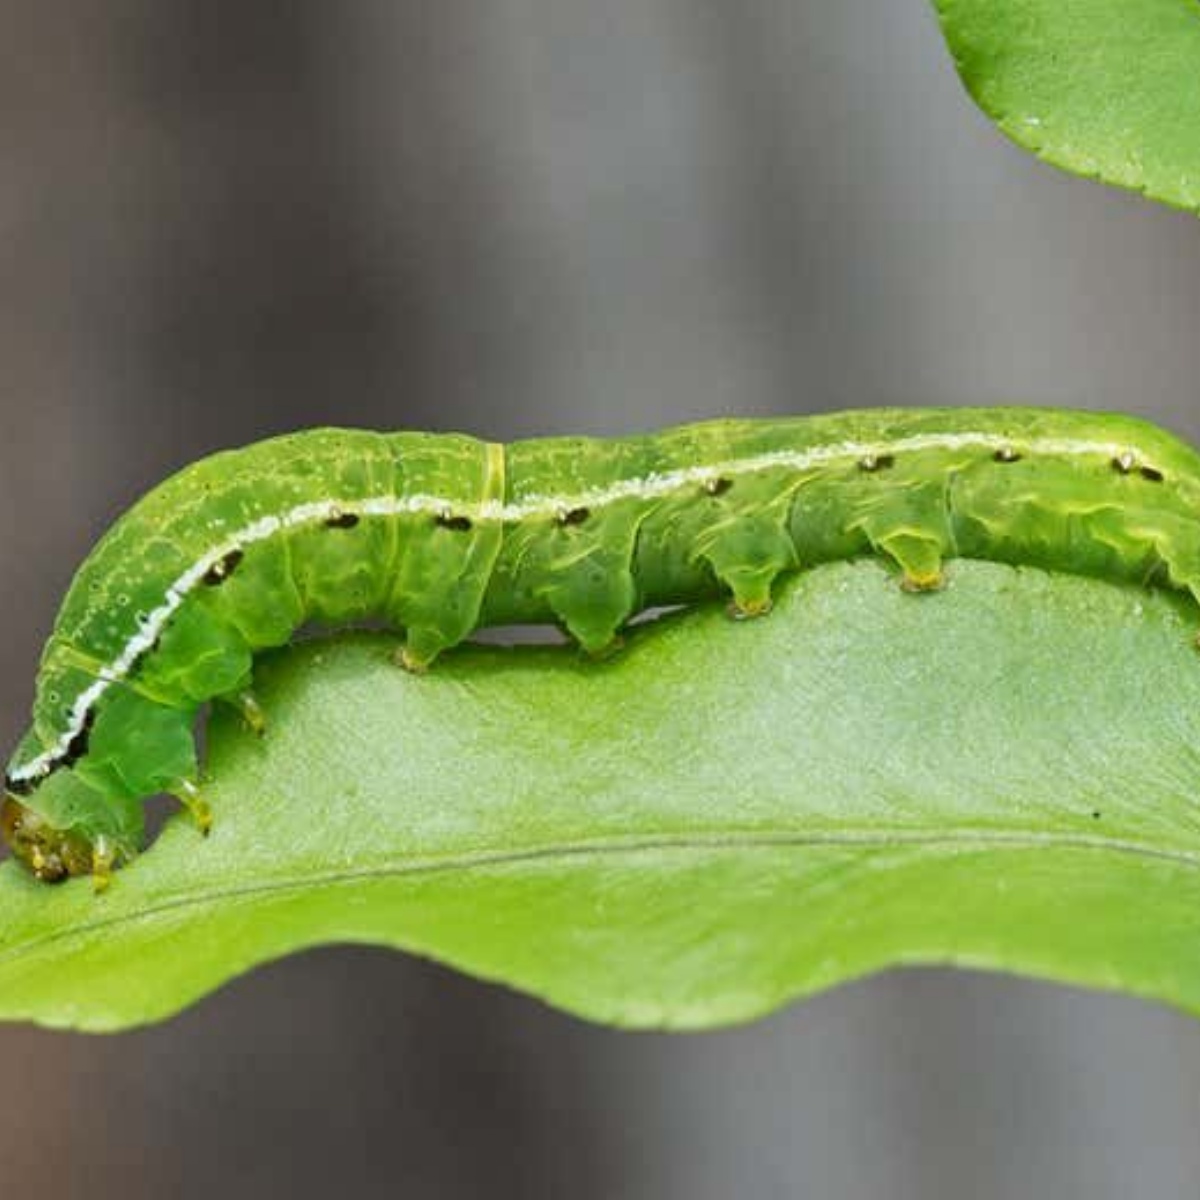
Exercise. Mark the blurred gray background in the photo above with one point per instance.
(219, 221)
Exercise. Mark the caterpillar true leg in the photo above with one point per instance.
(189, 795)
(251, 711)
(104, 859)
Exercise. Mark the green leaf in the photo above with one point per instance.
(1104, 88)
(724, 817)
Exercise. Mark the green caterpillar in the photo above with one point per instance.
(440, 534)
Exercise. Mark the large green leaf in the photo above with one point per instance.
(1106, 88)
(723, 818)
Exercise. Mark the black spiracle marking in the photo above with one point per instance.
(223, 568)
(573, 516)
(1006, 454)
(450, 521)
(342, 520)
(1127, 464)
(18, 787)
(77, 747)
(876, 462)
(718, 486)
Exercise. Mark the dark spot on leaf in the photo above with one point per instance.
(1123, 463)
(1153, 474)
(718, 486)
(573, 516)
(458, 524)
(1006, 454)
(342, 520)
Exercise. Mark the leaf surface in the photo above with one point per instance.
(723, 818)
(1104, 88)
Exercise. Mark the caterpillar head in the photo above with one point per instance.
(62, 826)
(52, 854)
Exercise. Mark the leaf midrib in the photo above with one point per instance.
(604, 847)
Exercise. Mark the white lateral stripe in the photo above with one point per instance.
(643, 488)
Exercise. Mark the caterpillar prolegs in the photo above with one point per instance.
(440, 534)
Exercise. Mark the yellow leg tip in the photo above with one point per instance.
(411, 662)
(924, 581)
(747, 610)
(605, 650)
(252, 712)
(103, 858)
(189, 796)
